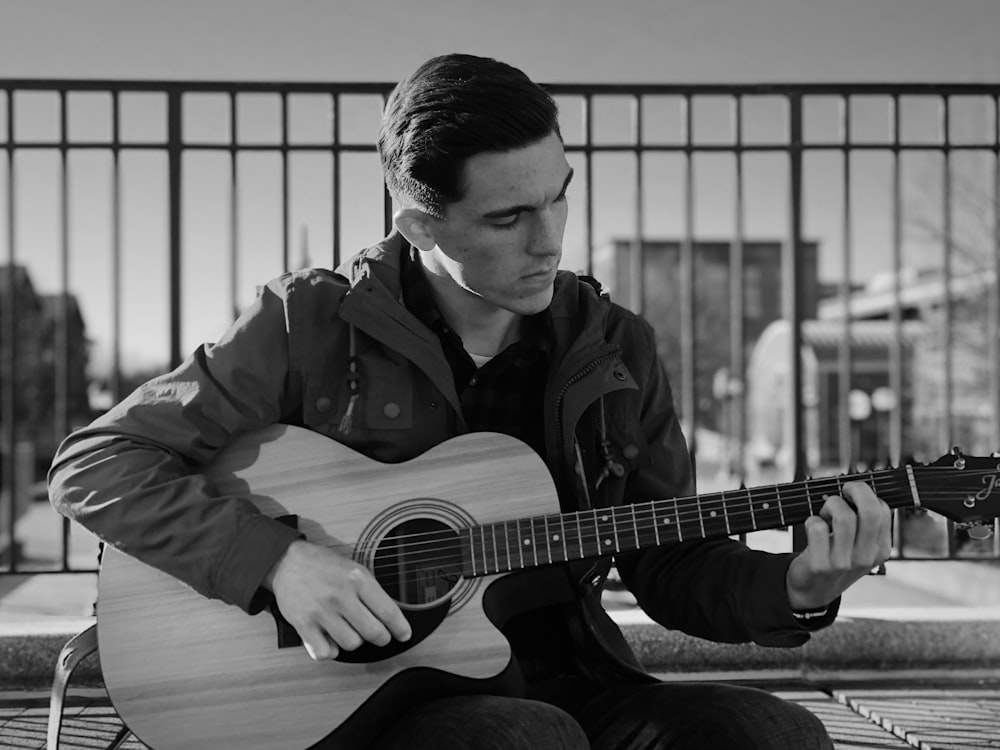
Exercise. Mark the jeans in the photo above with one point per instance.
(570, 714)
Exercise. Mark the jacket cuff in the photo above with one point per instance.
(774, 623)
(255, 551)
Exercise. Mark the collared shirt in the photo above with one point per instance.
(504, 395)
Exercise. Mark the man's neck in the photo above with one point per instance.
(484, 328)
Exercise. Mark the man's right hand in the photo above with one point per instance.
(333, 602)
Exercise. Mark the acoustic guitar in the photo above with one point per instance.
(186, 672)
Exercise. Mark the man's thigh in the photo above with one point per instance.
(483, 722)
(697, 716)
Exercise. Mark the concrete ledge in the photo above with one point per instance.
(968, 643)
(851, 643)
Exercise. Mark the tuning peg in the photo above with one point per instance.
(956, 451)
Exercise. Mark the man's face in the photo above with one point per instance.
(500, 245)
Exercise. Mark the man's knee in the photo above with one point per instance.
(762, 720)
(486, 723)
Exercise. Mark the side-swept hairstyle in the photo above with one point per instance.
(451, 108)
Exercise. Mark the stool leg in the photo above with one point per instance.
(77, 648)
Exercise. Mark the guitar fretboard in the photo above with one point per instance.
(561, 537)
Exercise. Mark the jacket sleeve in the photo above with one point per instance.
(718, 589)
(132, 476)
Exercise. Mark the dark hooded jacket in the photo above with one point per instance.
(611, 437)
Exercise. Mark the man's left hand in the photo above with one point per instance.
(843, 544)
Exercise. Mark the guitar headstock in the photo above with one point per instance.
(965, 489)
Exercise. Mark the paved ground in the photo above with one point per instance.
(932, 718)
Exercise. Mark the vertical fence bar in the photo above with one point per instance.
(588, 156)
(8, 354)
(175, 155)
(947, 431)
(947, 426)
(737, 397)
(234, 222)
(896, 313)
(285, 187)
(61, 322)
(792, 280)
(845, 433)
(335, 176)
(689, 369)
(637, 256)
(116, 251)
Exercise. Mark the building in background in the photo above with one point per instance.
(762, 303)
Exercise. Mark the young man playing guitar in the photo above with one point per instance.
(459, 322)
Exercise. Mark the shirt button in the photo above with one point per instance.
(323, 404)
(473, 380)
(630, 451)
(391, 410)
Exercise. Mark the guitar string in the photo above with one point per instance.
(643, 514)
(791, 501)
(694, 506)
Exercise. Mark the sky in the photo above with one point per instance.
(553, 41)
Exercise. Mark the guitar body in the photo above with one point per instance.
(188, 672)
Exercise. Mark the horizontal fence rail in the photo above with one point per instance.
(821, 261)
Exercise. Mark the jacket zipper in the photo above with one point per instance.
(580, 375)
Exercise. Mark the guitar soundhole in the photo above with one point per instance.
(418, 562)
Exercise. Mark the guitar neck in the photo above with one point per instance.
(561, 537)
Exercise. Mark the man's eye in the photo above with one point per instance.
(510, 224)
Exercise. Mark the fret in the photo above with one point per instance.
(677, 521)
(579, 536)
(533, 536)
(689, 521)
(701, 516)
(496, 547)
(509, 565)
(646, 532)
(485, 550)
(553, 537)
(809, 500)
(766, 507)
(562, 533)
(753, 516)
(656, 523)
(607, 543)
(590, 545)
(523, 543)
(472, 550)
(739, 514)
(635, 527)
(548, 538)
(781, 509)
(713, 523)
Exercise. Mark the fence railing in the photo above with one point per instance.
(138, 216)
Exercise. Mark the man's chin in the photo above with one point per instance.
(532, 304)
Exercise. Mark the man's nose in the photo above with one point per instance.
(548, 234)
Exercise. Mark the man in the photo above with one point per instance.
(460, 322)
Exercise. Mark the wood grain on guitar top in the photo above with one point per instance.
(188, 672)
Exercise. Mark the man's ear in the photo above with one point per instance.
(415, 225)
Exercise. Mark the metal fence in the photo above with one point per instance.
(654, 162)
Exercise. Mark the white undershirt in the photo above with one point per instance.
(481, 359)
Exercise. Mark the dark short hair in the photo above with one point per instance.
(451, 108)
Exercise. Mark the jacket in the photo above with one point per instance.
(326, 350)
